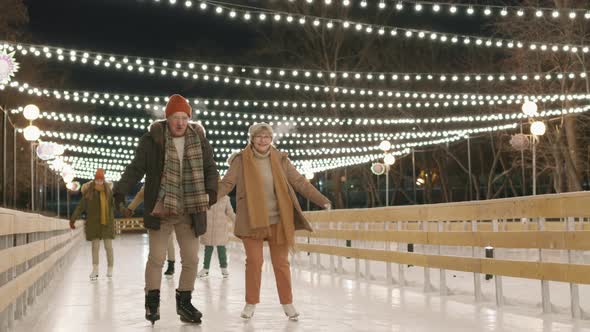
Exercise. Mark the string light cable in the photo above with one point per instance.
(250, 14)
(213, 119)
(136, 102)
(222, 145)
(468, 9)
(156, 103)
(186, 69)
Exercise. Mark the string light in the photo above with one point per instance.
(484, 10)
(155, 103)
(143, 102)
(109, 121)
(319, 165)
(186, 69)
(315, 165)
(395, 32)
(218, 144)
(237, 80)
(290, 121)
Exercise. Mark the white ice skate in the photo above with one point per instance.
(291, 312)
(248, 311)
(204, 273)
(224, 272)
(94, 274)
(110, 272)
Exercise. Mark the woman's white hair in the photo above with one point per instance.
(258, 127)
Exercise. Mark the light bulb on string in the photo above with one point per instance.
(529, 108)
(538, 128)
(31, 112)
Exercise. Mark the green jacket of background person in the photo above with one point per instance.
(96, 227)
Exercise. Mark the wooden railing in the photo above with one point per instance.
(544, 223)
(32, 249)
(129, 225)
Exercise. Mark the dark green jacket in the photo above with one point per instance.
(90, 203)
(149, 161)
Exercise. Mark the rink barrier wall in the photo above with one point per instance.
(540, 206)
(33, 248)
(129, 225)
(421, 235)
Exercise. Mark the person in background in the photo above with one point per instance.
(98, 204)
(217, 236)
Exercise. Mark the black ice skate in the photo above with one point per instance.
(152, 305)
(185, 309)
(170, 270)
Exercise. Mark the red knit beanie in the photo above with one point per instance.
(99, 174)
(177, 103)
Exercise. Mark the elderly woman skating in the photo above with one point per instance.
(267, 210)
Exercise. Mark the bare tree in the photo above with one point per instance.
(568, 163)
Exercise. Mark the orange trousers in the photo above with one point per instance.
(279, 255)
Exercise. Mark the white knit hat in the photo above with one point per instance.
(255, 128)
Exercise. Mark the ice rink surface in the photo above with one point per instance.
(326, 301)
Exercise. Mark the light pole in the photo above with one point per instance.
(14, 169)
(4, 157)
(388, 160)
(4, 186)
(32, 133)
(537, 129)
(529, 108)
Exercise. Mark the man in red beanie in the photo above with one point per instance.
(180, 185)
(98, 204)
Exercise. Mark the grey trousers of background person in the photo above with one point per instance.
(189, 248)
(108, 246)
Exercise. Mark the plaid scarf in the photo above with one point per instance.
(195, 199)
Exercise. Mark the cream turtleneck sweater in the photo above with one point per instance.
(265, 170)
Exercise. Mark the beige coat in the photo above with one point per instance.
(296, 183)
(218, 218)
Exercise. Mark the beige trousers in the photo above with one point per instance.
(189, 248)
(170, 251)
(108, 246)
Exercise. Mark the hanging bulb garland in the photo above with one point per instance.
(203, 70)
(155, 103)
(254, 15)
(461, 9)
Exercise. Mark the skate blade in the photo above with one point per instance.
(197, 321)
(293, 318)
(152, 319)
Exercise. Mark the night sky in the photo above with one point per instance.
(141, 28)
(144, 28)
